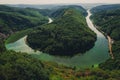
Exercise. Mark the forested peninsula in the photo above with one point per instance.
(67, 35)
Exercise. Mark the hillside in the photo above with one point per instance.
(59, 12)
(67, 35)
(15, 19)
(21, 67)
(107, 18)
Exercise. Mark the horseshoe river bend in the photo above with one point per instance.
(99, 53)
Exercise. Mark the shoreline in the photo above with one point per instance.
(110, 41)
(110, 46)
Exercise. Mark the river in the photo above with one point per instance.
(50, 20)
(99, 53)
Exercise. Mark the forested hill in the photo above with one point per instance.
(59, 12)
(67, 35)
(105, 7)
(14, 19)
(107, 18)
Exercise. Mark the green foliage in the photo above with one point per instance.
(108, 19)
(105, 7)
(16, 19)
(2, 46)
(59, 12)
(60, 72)
(17, 66)
(67, 35)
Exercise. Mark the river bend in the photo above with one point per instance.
(99, 53)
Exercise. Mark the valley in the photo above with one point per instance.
(62, 43)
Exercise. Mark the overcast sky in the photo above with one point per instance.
(55, 1)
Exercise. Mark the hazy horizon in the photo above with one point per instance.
(57, 1)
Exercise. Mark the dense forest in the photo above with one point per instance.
(15, 19)
(59, 12)
(67, 35)
(17, 66)
(22, 66)
(107, 18)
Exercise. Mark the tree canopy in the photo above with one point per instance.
(20, 66)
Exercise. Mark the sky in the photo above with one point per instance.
(55, 1)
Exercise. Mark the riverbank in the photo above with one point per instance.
(110, 41)
(110, 47)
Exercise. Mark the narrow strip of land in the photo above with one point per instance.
(110, 47)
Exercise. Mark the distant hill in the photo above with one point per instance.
(59, 12)
(53, 6)
(39, 6)
(105, 7)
